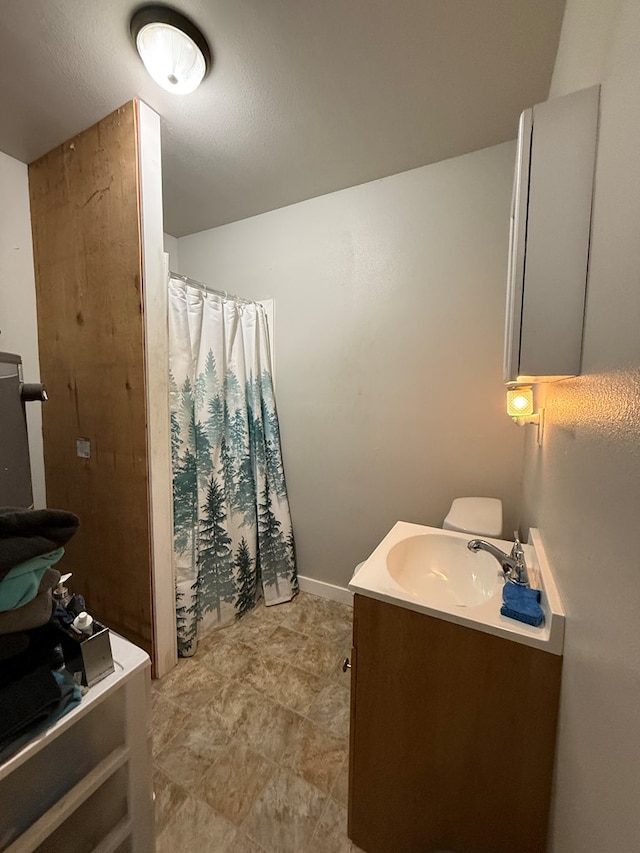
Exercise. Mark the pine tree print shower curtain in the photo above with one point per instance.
(233, 539)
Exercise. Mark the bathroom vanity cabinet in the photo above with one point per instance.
(452, 736)
(549, 239)
(86, 782)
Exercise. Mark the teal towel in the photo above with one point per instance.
(522, 603)
(20, 585)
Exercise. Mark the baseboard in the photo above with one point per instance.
(326, 590)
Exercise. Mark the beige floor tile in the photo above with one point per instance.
(297, 688)
(340, 790)
(335, 633)
(192, 751)
(192, 686)
(285, 643)
(270, 729)
(232, 733)
(335, 611)
(195, 826)
(315, 755)
(275, 613)
(168, 799)
(242, 844)
(212, 639)
(232, 784)
(255, 629)
(232, 705)
(330, 835)
(331, 709)
(284, 816)
(165, 685)
(167, 720)
(229, 658)
(316, 656)
(264, 673)
(306, 618)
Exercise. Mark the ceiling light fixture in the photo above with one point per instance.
(175, 53)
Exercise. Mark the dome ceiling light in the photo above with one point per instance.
(175, 53)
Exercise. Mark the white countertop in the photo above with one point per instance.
(373, 579)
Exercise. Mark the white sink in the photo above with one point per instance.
(431, 571)
(439, 567)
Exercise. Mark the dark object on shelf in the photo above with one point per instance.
(90, 657)
(15, 483)
(26, 702)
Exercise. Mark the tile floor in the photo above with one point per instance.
(251, 736)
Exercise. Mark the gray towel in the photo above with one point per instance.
(36, 612)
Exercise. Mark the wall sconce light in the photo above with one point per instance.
(520, 409)
(174, 51)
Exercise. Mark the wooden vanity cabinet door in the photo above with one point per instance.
(452, 736)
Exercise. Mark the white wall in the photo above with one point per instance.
(171, 248)
(585, 41)
(18, 322)
(390, 300)
(582, 488)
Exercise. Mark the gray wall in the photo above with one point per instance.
(389, 303)
(171, 248)
(582, 489)
(18, 319)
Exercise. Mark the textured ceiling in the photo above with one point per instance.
(305, 96)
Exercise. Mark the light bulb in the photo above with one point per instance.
(520, 402)
(171, 57)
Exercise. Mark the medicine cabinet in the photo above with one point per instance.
(549, 238)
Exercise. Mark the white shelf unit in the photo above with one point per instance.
(85, 784)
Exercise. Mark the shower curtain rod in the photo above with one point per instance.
(207, 289)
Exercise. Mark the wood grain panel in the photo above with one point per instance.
(453, 736)
(87, 252)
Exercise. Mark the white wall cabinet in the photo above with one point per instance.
(549, 245)
(85, 784)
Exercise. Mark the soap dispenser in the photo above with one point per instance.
(61, 594)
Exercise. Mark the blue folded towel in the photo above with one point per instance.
(522, 603)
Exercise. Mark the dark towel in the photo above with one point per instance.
(69, 698)
(42, 647)
(522, 603)
(12, 645)
(26, 533)
(27, 701)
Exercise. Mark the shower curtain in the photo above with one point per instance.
(233, 539)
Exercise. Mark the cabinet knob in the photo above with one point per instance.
(346, 664)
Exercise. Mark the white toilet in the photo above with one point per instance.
(479, 516)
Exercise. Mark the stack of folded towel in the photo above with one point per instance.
(31, 693)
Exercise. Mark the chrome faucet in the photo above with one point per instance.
(513, 565)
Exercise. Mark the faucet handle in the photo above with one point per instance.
(520, 568)
(517, 549)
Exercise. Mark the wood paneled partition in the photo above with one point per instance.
(88, 250)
